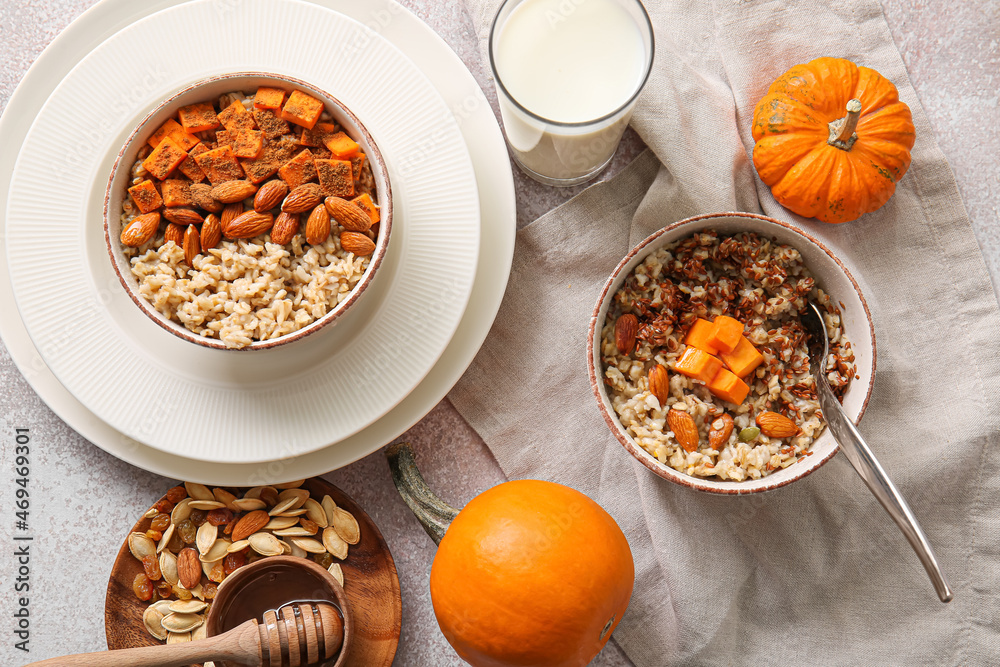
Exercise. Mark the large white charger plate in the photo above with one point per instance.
(496, 194)
(224, 406)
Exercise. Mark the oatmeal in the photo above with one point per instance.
(705, 357)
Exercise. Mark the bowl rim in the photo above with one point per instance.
(379, 168)
(647, 459)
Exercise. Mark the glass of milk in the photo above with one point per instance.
(568, 73)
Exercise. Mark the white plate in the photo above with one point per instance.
(217, 405)
(496, 195)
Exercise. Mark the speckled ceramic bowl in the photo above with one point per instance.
(210, 89)
(830, 274)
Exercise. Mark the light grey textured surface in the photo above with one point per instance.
(84, 500)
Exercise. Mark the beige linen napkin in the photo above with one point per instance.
(814, 573)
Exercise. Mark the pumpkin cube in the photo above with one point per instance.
(220, 165)
(698, 364)
(357, 164)
(164, 158)
(336, 178)
(726, 334)
(145, 196)
(247, 143)
(171, 128)
(728, 387)
(268, 98)
(272, 126)
(300, 169)
(699, 334)
(274, 155)
(342, 146)
(198, 117)
(236, 117)
(302, 109)
(189, 167)
(176, 192)
(368, 206)
(315, 137)
(744, 359)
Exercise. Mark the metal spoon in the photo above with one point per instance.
(861, 457)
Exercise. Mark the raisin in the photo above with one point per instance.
(234, 561)
(175, 543)
(177, 494)
(187, 531)
(209, 590)
(229, 528)
(182, 594)
(198, 517)
(160, 522)
(217, 573)
(164, 589)
(152, 567)
(324, 560)
(164, 506)
(219, 516)
(154, 535)
(142, 587)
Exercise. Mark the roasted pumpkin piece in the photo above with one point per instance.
(171, 128)
(164, 158)
(317, 135)
(369, 207)
(336, 178)
(275, 154)
(268, 98)
(189, 167)
(176, 192)
(220, 165)
(699, 336)
(145, 196)
(698, 364)
(236, 117)
(341, 146)
(302, 109)
(728, 387)
(272, 126)
(198, 117)
(247, 143)
(300, 169)
(357, 165)
(726, 333)
(744, 359)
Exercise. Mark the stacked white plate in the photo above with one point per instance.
(229, 417)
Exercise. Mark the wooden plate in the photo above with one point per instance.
(370, 581)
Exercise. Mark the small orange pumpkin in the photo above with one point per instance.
(821, 163)
(531, 573)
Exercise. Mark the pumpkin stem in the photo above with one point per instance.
(842, 130)
(434, 514)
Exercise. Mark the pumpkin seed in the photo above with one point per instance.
(162, 606)
(294, 531)
(178, 637)
(238, 546)
(265, 544)
(292, 513)
(176, 622)
(187, 606)
(167, 534)
(253, 492)
(168, 567)
(181, 511)
(290, 485)
(206, 504)
(150, 513)
(299, 552)
(216, 552)
(301, 495)
(329, 507)
(286, 548)
(225, 498)
(249, 504)
(309, 544)
(334, 543)
(283, 505)
(197, 592)
(153, 620)
(749, 434)
(198, 491)
(201, 632)
(315, 512)
(337, 572)
(347, 526)
(141, 546)
(281, 522)
(207, 534)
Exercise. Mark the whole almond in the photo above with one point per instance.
(351, 217)
(270, 195)
(201, 196)
(174, 233)
(250, 524)
(231, 212)
(626, 328)
(233, 191)
(211, 232)
(188, 568)
(659, 383)
(182, 216)
(318, 226)
(192, 244)
(303, 198)
(286, 226)
(684, 428)
(357, 243)
(775, 425)
(141, 229)
(722, 428)
(248, 225)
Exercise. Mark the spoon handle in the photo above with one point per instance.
(241, 644)
(871, 471)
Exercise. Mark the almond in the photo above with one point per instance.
(357, 243)
(318, 225)
(270, 195)
(248, 525)
(351, 217)
(201, 196)
(231, 212)
(182, 216)
(626, 328)
(174, 233)
(211, 232)
(286, 226)
(721, 429)
(141, 229)
(303, 198)
(659, 383)
(248, 225)
(233, 191)
(684, 428)
(775, 425)
(192, 244)
(188, 568)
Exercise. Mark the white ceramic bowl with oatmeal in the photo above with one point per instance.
(717, 435)
(233, 215)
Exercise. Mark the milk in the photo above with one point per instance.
(574, 64)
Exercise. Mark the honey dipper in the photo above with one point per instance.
(304, 634)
